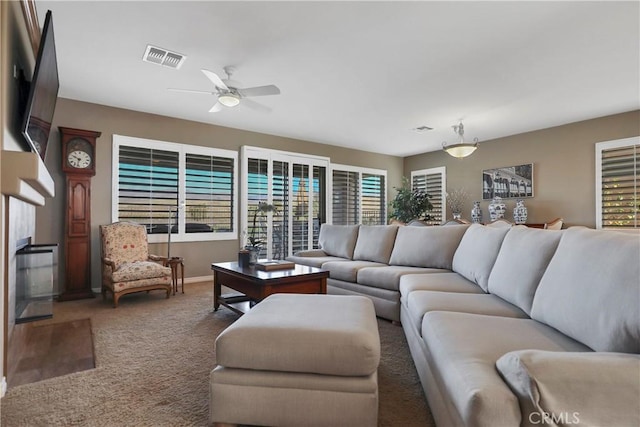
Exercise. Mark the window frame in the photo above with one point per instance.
(182, 149)
(442, 170)
(360, 171)
(599, 148)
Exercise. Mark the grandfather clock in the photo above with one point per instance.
(79, 165)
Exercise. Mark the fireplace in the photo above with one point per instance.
(36, 279)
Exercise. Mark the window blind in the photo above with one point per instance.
(346, 197)
(373, 199)
(209, 194)
(147, 187)
(433, 185)
(620, 189)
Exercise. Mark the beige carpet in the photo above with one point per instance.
(153, 357)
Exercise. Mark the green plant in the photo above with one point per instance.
(262, 209)
(410, 204)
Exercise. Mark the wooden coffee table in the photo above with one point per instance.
(254, 285)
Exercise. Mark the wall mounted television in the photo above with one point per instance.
(43, 92)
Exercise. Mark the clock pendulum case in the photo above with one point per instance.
(79, 166)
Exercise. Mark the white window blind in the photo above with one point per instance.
(358, 195)
(618, 184)
(434, 182)
(159, 183)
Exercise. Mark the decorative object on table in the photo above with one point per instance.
(276, 264)
(461, 149)
(410, 204)
(244, 258)
(509, 182)
(255, 242)
(476, 213)
(497, 208)
(520, 212)
(456, 199)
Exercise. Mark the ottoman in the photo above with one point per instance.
(299, 360)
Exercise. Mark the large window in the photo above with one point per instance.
(359, 195)
(191, 189)
(434, 182)
(296, 185)
(618, 184)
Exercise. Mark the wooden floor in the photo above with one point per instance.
(38, 352)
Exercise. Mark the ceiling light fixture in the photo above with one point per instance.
(461, 149)
(229, 99)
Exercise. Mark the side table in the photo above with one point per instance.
(176, 263)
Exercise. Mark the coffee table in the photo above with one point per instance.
(254, 285)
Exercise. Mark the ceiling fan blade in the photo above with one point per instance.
(191, 91)
(216, 107)
(249, 103)
(259, 91)
(217, 81)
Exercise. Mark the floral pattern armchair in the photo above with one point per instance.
(127, 265)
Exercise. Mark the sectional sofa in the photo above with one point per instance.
(506, 326)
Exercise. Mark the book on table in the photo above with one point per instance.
(276, 264)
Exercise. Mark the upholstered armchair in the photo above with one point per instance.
(127, 266)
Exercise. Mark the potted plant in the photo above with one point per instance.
(410, 204)
(254, 242)
(456, 199)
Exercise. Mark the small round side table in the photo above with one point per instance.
(176, 263)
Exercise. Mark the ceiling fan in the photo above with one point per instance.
(230, 96)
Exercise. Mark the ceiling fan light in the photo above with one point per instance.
(460, 150)
(229, 100)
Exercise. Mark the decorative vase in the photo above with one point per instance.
(520, 212)
(476, 213)
(254, 251)
(457, 215)
(497, 208)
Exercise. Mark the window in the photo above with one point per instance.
(161, 184)
(359, 195)
(296, 185)
(434, 182)
(618, 184)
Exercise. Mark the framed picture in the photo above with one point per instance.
(508, 182)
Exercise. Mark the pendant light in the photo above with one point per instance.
(461, 149)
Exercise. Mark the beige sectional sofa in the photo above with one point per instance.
(506, 326)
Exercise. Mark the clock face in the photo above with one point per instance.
(79, 159)
(79, 153)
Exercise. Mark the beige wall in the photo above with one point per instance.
(198, 255)
(563, 160)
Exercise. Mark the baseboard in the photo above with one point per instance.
(3, 387)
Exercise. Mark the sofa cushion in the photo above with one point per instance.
(314, 261)
(338, 240)
(591, 289)
(388, 277)
(522, 260)
(464, 349)
(441, 282)
(477, 252)
(375, 243)
(321, 334)
(419, 303)
(347, 270)
(545, 383)
(426, 246)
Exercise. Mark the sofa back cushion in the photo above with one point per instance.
(477, 252)
(431, 247)
(375, 243)
(338, 240)
(522, 260)
(591, 289)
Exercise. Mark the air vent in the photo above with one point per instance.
(422, 129)
(157, 55)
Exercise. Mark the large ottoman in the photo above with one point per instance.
(299, 360)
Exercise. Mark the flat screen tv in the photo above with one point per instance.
(43, 92)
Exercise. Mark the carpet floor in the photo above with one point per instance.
(153, 357)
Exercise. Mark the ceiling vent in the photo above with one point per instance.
(422, 129)
(157, 55)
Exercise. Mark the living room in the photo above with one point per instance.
(562, 150)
